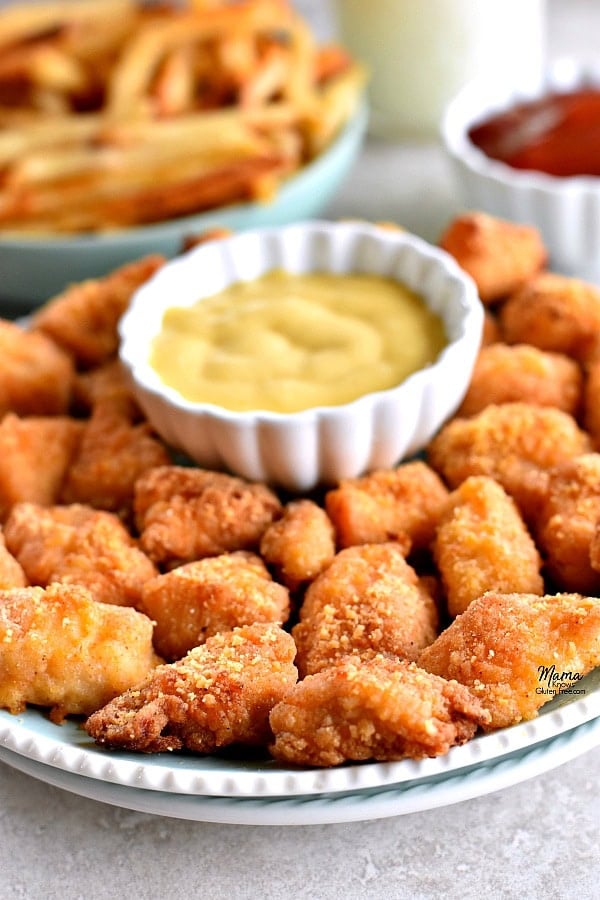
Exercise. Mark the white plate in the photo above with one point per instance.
(331, 808)
(68, 748)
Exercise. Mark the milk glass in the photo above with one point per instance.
(421, 52)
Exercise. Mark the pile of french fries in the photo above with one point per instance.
(116, 113)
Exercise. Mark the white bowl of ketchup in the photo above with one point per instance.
(534, 157)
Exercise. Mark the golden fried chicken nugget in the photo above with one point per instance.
(491, 329)
(78, 545)
(482, 544)
(591, 403)
(402, 504)
(83, 319)
(378, 708)
(220, 693)
(199, 599)
(36, 376)
(111, 457)
(35, 453)
(522, 373)
(508, 648)
(500, 256)
(555, 313)
(61, 649)
(11, 572)
(368, 599)
(186, 514)
(567, 523)
(300, 544)
(514, 443)
(595, 549)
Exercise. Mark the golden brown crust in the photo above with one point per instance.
(376, 708)
(567, 523)
(78, 545)
(36, 376)
(11, 572)
(35, 453)
(555, 313)
(502, 644)
(83, 319)
(220, 693)
(514, 443)
(521, 373)
(500, 256)
(61, 649)
(187, 514)
(482, 544)
(402, 504)
(301, 544)
(200, 599)
(368, 599)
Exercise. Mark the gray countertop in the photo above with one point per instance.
(536, 839)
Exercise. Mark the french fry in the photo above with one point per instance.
(21, 22)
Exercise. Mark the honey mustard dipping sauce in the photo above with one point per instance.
(285, 343)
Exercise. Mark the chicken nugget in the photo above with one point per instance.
(35, 453)
(300, 544)
(491, 329)
(378, 708)
(36, 376)
(555, 313)
(402, 504)
(521, 373)
(78, 545)
(106, 383)
(111, 457)
(508, 648)
(220, 693)
(514, 443)
(186, 514)
(83, 319)
(500, 256)
(11, 572)
(199, 599)
(61, 649)
(567, 523)
(368, 599)
(482, 544)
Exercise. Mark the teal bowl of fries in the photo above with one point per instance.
(35, 268)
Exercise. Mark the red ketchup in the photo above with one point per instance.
(558, 134)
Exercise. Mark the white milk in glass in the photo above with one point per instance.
(421, 52)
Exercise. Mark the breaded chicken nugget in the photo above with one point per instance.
(515, 443)
(379, 708)
(567, 523)
(185, 514)
(11, 572)
(199, 599)
(36, 376)
(106, 383)
(83, 319)
(503, 645)
(368, 599)
(595, 549)
(300, 544)
(555, 313)
(111, 457)
(500, 256)
(35, 454)
(221, 693)
(78, 545)
(402, 504)
(491, 329)
(59, 648)
(591, 403)
(521, 373)
(482, 544)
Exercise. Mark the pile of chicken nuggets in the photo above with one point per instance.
(389, 616)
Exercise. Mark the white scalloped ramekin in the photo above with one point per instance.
(321, 445)
(565, 210)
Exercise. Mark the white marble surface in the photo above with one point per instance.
(538, 839)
